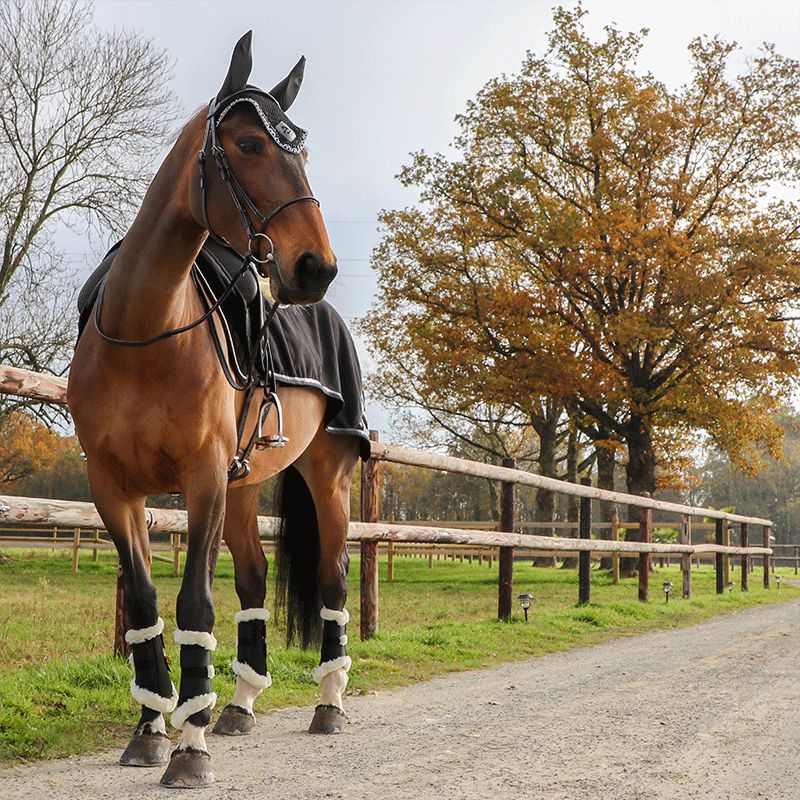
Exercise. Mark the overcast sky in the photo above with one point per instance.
(387, 78)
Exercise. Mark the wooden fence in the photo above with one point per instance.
(370, 532)
(172, 550)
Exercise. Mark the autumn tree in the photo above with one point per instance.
(27, 445)
(83, 113)
(608, 243)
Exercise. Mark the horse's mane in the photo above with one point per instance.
(177, 133)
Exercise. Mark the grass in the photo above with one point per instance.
(61, 693)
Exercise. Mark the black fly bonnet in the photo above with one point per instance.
(283, 131)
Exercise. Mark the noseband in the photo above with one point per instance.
(241, 199)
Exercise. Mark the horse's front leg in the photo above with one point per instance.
(190, 763)
(151, 686)
(250, 570)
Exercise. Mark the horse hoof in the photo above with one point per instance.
(234, 721)
(328, 719)
(188, 769)
(147, 750)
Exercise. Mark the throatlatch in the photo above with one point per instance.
(196, 697)
(334, 640)
(152, 686)
(250, 663)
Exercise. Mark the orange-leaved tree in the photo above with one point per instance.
(26, 446)
(607, 242)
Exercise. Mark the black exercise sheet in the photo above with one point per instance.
(311, 346)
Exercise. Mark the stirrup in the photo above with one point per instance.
(278, 440)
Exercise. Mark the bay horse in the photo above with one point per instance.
(161, 417)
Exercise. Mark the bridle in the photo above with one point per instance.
(241, 200)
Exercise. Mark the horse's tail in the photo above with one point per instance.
(297, 556)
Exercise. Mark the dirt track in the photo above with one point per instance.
(709, 712)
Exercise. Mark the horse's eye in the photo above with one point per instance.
(250, 146)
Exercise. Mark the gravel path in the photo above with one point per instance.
(709, 712)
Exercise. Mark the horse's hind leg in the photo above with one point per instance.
(327, 467)
(250, 571)
(152, 687)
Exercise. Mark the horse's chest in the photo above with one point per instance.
(147, 429)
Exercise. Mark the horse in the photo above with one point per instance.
(155, 413)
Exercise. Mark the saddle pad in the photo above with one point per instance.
(311, 346)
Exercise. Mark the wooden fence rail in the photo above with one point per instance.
(37, 512)
(369, 532)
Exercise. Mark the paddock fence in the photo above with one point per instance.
(371, 533)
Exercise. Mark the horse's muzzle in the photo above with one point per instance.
(311, 273)
(311, 278)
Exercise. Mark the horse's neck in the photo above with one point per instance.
(147, 284)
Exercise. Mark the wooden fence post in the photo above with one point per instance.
(96, 539)
(726, 559)
(121, 648)
(767, 535)
(176, 553)
(76, 549)
(390, 561)
(369, 550)
(584, 557)
(645, 532)
(615, 538)
(719, 561)
(745, 558)
(796, 560)
(686, 558)
(505, 573)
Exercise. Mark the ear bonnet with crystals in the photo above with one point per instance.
(270, 106)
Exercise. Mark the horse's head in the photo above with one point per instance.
(254, 191)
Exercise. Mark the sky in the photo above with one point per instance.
(385, 78)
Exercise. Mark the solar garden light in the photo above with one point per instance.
(730, 587)
(667, 590)
(778, 580)
(525, 602)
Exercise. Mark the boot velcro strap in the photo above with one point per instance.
(332, 637)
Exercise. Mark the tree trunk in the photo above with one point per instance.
(606, 463)
(546, 427)
(640, 477)
(494, 501)
(573, 503)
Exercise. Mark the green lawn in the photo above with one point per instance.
(62, 693)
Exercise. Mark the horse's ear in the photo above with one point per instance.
(286, 91)
(239, 70)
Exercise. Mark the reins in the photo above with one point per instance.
(173, 331)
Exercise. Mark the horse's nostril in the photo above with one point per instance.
(311, 272)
